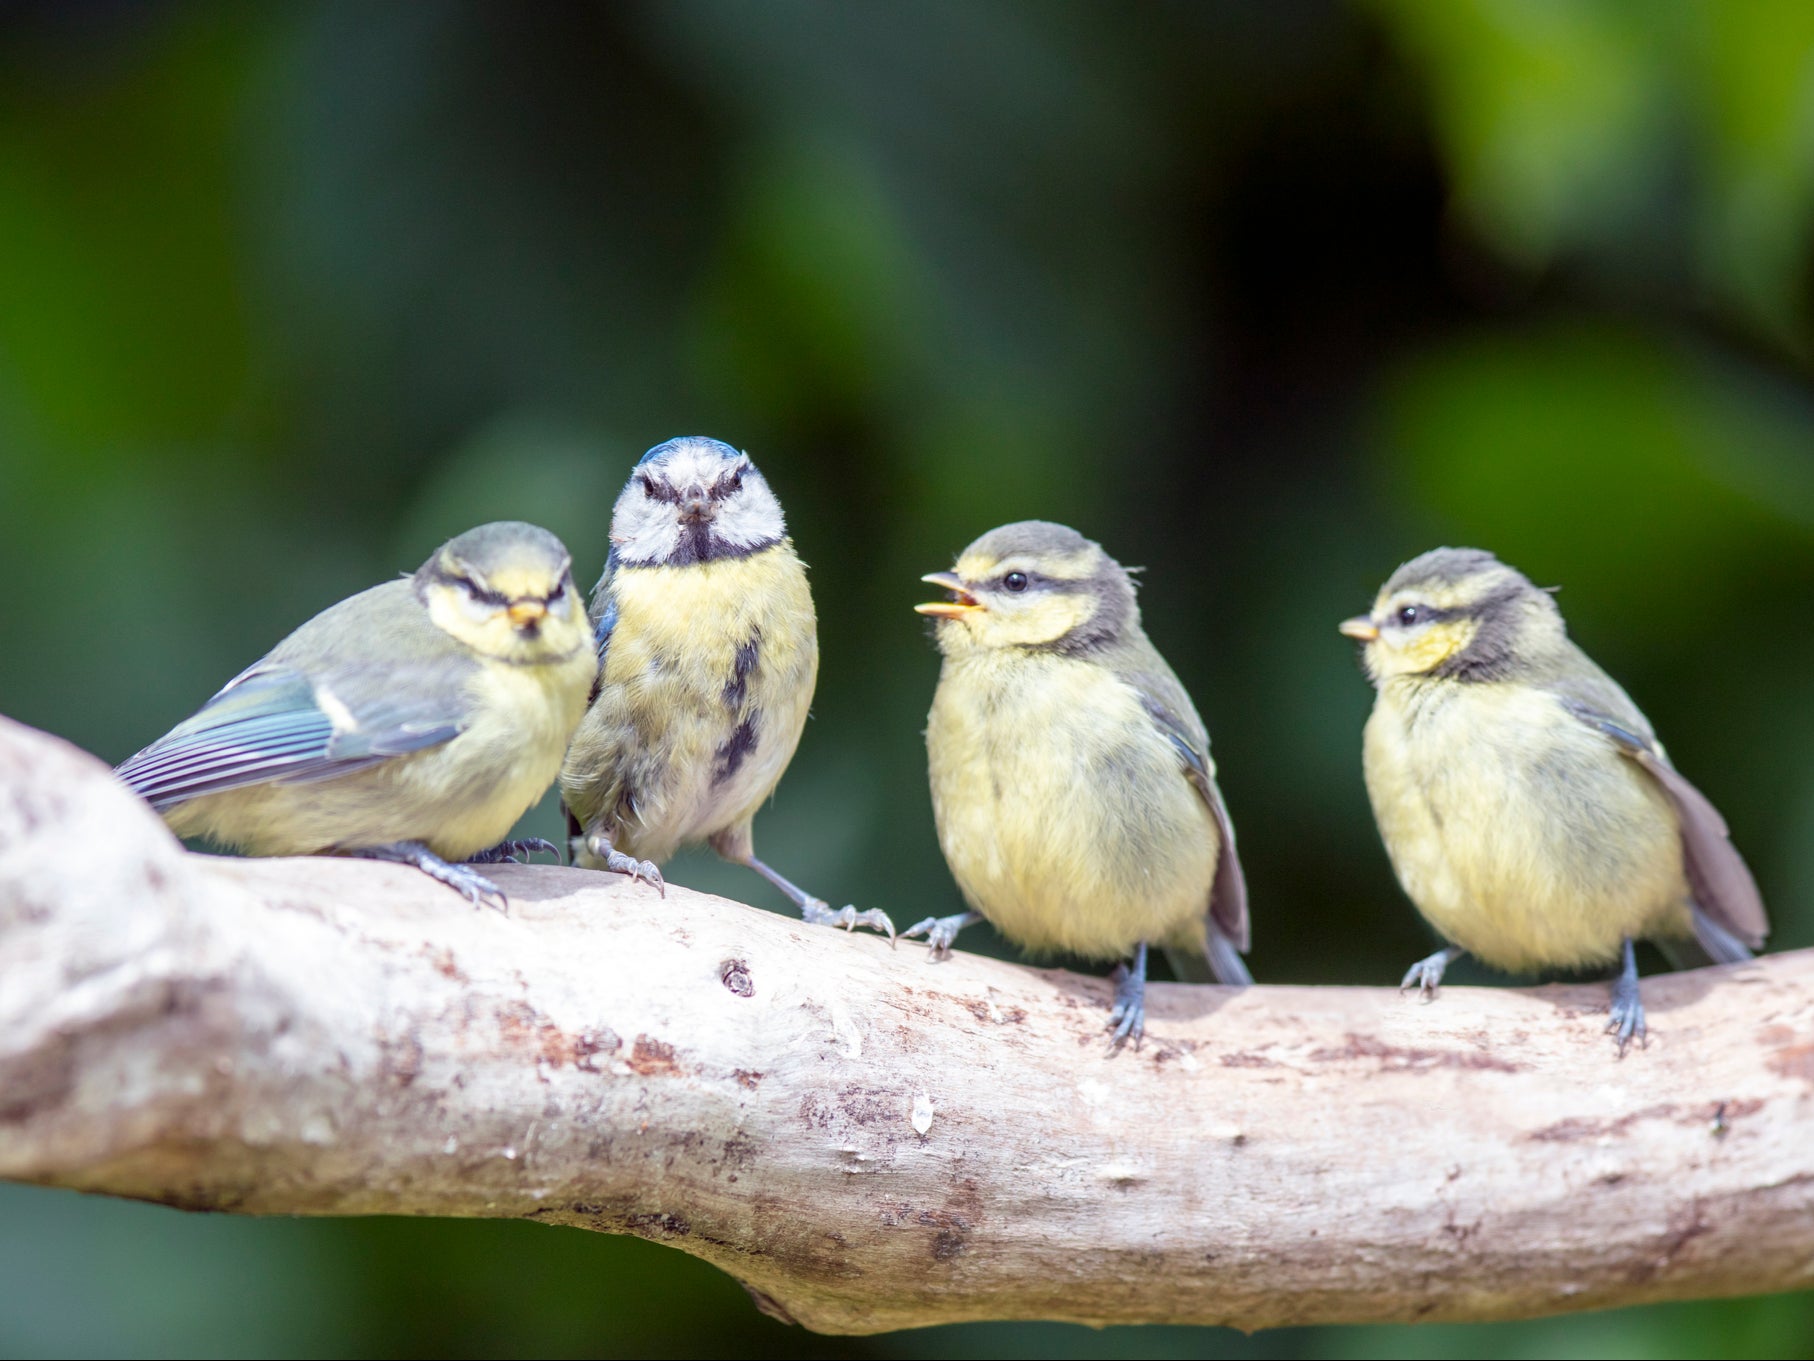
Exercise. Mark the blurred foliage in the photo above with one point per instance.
(1674, 139)
(1266, 298)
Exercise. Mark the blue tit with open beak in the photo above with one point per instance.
(708, 649)
(414, 722)
(1526, 805)
(1072, 786)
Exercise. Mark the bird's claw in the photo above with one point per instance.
(1425, 976)
(616, 862)
(507, 852)
(1626, 1019)
(1127, 1018)
(1626, 1015)
(818, 913)
(470, 884)
(642, 871)
(940, 932)
(462, 879)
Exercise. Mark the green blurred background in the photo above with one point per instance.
(1266, 297)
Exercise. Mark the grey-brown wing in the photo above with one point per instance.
(1718, 876)
(1228, 894)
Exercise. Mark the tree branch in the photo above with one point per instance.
(867, 1140)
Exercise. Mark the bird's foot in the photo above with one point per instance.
(1127, 1018)
(514, 852)
(814, 911)
(616, 862)
(1626, 1018)
(478, 890)
(940, 932)
(462, 879)
(1426, 974)
(818, 912)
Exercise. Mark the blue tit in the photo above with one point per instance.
(1072, 786)
(1526, 805)
(708, 650)
(414, 722)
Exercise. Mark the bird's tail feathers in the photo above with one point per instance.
(1220, 962)
(1721, 945)
(1225, 961)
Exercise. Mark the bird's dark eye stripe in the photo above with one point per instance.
(471, 587)
(483, 595)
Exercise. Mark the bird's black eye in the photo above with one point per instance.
(1015, 581)
(648, 484)
(1408, 615)
(560, 589)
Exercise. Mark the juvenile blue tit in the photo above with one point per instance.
(709, 650)
(1527, 807)
(1072, 787)
(414, 722)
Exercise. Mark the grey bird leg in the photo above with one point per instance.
(1627, 1018)
(1128, 1016)
(617, 862)
(941, 931)
(477, 889)
(816, 911)
(1426, 974)
(508, 852)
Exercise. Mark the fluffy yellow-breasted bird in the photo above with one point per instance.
(709, 649)
(413, 722)
(1075, 798)
(1527, 807)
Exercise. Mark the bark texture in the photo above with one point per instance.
(867, 1140)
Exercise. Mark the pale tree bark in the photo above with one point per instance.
(868, 1140)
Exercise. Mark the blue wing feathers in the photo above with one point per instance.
(606, 623)
(604, 604)
(268, 727)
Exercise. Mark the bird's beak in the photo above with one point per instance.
(1360, 627)
(695, 507)
(526, 612)
(961, 603)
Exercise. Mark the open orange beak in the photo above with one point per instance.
(960, 604)
(526, 612)
(1360, 628)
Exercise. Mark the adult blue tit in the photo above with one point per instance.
(414, 722)
(1072, 786)
(1525, 803)
(708, 650)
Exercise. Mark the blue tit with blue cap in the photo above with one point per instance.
(1072, 785)
(414, 722)
(708, 650)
